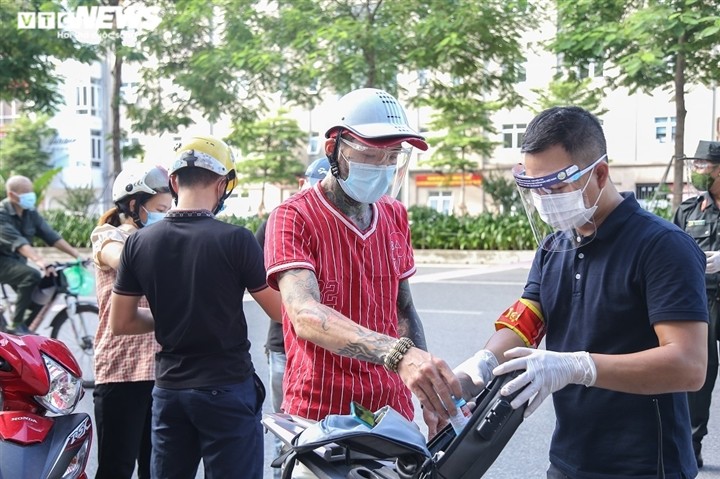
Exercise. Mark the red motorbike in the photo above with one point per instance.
(40, 385)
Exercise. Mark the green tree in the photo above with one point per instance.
(463, 125)
(25, 148)
(570, 90)
(269, 147)
(233, 58)
(467, 55)
(28, 56)
(208, 58)
(79, 200)
(652, 44)
(503, 192)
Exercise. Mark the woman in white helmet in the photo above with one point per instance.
(124, 365)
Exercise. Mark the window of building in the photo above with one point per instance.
(649, 197)
(441, 201)
(314, 144)
(592, 69)
(88, 98)
(665, 129)
(513, 135)
(9, 111)
(95, 148)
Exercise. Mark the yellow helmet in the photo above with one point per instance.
(206, 152)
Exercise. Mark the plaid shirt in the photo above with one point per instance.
(118, 358)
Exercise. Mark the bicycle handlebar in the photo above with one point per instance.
(61, 265)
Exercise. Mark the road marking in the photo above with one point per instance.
(451, 311)
(486, 283)
(431, 277)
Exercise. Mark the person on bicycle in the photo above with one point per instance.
(194, 271)
(340, 255)
(20, 222)
(125, 365)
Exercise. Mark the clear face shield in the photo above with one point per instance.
(555, 205)
(389, 162)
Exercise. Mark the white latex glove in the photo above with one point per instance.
(476, 372)
(545, 373)
(712, 262)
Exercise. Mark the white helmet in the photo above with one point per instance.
(140, 179)
(371, 114)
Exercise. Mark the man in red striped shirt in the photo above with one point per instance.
(340, 254)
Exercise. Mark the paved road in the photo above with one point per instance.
(458, 305)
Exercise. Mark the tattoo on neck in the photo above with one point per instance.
(359, 213)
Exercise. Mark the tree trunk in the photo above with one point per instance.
(680, 113)
(115, 99)
(116, 130)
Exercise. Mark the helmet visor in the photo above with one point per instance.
(556, 206)
(397, 156)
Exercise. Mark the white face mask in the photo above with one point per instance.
(565, 211)
(367, 183)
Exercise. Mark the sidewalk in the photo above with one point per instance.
(422, 256)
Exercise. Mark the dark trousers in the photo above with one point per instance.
(23, 279)
(123, 414)
(699, 401)
(219, 424)
(555, 473)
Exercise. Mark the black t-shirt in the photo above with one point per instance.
(194, 271)
(275, 340)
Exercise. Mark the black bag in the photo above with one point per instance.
(471, 453)
(447, 456)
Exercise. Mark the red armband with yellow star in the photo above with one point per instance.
(525, 319)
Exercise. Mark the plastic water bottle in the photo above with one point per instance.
(461, 416)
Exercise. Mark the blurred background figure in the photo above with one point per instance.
(699, 216)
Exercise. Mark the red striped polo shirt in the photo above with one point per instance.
(359, 274)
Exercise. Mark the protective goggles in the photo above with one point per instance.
(567, 175)
(367, 154)
(703, 164)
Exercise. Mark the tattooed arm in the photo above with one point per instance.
(322, 325)
(428, 377)
(409, 324)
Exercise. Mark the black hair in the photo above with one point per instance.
(123, 206)
(196, 177)
(577, 130)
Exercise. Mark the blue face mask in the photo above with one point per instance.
(153, 216)
(367, 183)
(27, 201)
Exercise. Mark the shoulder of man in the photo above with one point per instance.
(691, 203)
(6, 207)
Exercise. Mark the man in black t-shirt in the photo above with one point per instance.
(194, 270)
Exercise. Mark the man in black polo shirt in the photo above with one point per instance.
(619, 296)
(699, 217)
(19, 223)
(194, 271)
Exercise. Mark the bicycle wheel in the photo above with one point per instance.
(78, 334)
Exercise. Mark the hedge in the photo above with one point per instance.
(430, 229)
